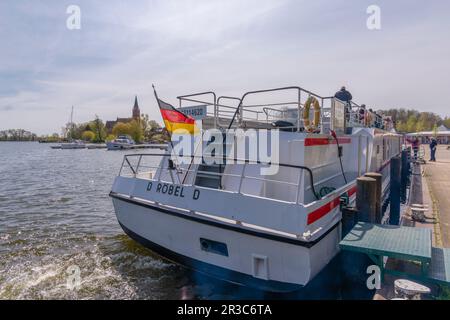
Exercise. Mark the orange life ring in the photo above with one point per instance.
(312, 101)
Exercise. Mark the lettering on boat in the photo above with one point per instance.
(172, 190)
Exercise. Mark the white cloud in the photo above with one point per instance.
(228, 46)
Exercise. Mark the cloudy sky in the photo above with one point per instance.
(228, 46)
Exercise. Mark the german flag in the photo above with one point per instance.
(176, 120)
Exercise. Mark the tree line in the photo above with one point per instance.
(95, 131)
(142, 130)
(405, 120)
(409, 120)
(17, 135)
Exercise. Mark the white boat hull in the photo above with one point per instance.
(262, 261)
(118, 146)
(66, 146)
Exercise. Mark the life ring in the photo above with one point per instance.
(306, 122)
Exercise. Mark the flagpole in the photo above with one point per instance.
(170, 134)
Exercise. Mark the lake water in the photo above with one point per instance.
(55, 213)
(56, 217)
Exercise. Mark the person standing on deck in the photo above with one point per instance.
(345, 96)
(433, 147)
(362, 114)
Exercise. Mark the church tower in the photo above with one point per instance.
(136, 111)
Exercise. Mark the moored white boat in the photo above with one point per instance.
(75, 144)
(120, 143)
(274, 232)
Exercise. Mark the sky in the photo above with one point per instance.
(229, 46)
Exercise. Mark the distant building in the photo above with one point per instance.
(136, 115)
(442, 135)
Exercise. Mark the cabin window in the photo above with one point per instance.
(214, 247)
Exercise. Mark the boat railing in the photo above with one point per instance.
(227, 114)
(134, 165)
(231, 112)
(359, 116)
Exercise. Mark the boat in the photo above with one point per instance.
(74, 144)
(96, 146)
(120, 143)
(273, 232)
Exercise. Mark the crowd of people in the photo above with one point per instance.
(371, 117)
(366, 117)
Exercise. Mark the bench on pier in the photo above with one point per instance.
(402, 243)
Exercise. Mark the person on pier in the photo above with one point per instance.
(433, 147)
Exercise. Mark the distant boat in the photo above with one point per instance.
(96, 146)
(75, 144)
(120, 143)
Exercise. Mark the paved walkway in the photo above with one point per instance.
(437, 175)
(432, 187)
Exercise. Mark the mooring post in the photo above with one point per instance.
(404, 175)
(394, 217)
(366, 191)
(378, 179)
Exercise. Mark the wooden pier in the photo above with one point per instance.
(409, 248)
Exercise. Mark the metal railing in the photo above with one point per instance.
(241, 112)
(137, 169)
(359, 116)
(227, 116)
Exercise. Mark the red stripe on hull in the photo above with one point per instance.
(323, 210)
(309, 142)
(352, 191)
(327, 208)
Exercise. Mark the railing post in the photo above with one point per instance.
(138, 164)
(242, 177)
(359, 155)
(321, 117)
(301, 177)
(299, 116)
(121, 167)
(394, 217)
(404, 177)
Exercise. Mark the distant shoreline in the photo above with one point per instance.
(23, 141)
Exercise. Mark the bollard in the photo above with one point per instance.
(378, 178)
(394, 217)
(366, 199)
(404, 176)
